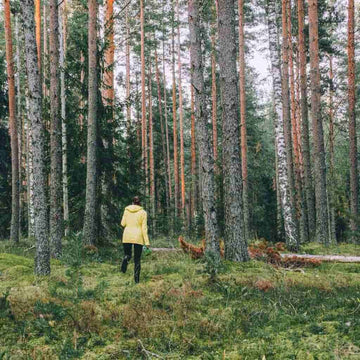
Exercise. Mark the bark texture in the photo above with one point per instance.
(287, 115)
(354, 181)
(282, 174)
(305, 142)
(90, 222)
(202, 133)
(162, 129)
(235, 242)
(62, 39)
(243, 135)
(322, 228)
(15, 193)
(42, 258)
(56, 220)
(38, 30)
(175, 135)
(181, 117)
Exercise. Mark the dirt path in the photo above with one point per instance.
(335, 258)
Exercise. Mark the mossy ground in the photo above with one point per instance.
(252, 311)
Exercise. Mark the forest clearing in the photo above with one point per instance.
(87, 309)
(179, 179)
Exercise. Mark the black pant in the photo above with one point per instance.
(137, 259)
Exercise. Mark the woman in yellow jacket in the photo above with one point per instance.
(134, 221)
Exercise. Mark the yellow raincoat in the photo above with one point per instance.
(134, 221)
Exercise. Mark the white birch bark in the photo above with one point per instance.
(288, 218)
(42, 258)
(62, 41)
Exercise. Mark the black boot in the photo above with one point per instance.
(137, 269)
(124, 263)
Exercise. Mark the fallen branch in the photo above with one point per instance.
(147, 353)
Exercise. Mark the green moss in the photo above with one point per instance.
(252, 311)
(338, 249)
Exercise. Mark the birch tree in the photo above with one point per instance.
(283, 180)
(42, 258)
(15, 197)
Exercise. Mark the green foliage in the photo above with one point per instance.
(212, 265)
(251, 310)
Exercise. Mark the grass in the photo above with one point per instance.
(252, 311)
(338, 249)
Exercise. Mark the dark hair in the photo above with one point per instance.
(136, 200)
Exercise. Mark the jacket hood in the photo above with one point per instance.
(133, 208)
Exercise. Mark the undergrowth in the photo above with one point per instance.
(87, 309)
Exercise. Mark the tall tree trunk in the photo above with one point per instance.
(42, 258)
(175, 136)
(82, 79)
(181, 119)
(90, 221)
(45, 50)
(143, 103)
(56, 222)
(166, 113)
(332, 152)
(202, 135)
(20, 124)
(151, 151)
(243, 134)
(163, 142)
(299, 199)
(214, 99)
(322, 228)
(286, 113)
(108, 101)
(108, 91)
(193, 197)
(308, 182)
(128, 100)
(235, 241)
(29, 169)
(283, 180)
(14, 231)
(354, 181)
(38, 30)
(62, 38)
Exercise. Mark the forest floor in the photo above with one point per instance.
(88, 309)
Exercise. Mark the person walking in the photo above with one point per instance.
(135, 234)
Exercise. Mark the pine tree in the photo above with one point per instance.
(354, 180)
(308, 183)
(322, 233)
(90, 221)
(56, 228)
(202, 135)
(15, 198)
(235, 242)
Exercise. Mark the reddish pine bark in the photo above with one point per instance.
(322, 233)
(38, 30)
(108, 91)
